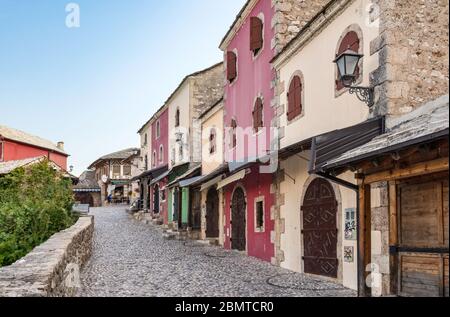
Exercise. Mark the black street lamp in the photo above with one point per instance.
(346, 64)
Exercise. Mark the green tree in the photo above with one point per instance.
(35, 203)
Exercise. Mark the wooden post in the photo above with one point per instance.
(364, 237)
(393, 237)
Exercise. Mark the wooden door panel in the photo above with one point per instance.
(420, 275)
(446, 292)
(238, 221)
(212, 214)
(320, 233)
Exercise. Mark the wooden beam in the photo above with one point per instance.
(414, 170)
(364, 237)
(393, 236)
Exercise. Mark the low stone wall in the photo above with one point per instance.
(51, 269)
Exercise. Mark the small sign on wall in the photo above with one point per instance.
(350, 224)
(349, 254)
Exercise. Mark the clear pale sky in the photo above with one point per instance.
(93, 87)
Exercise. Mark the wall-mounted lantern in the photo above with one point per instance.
(347, 63)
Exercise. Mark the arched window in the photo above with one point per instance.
(154, 158)
(295, 96)
(158, 129)
(350, 41)
(161, 153)
(256, 35)
(177, 118)
(233, 137)
(231, 66)
(258, 115)
(212, 141)
(145, 139)
(146, 162)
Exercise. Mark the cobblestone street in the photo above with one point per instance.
(133, 259)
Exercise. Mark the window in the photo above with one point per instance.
(116, 171)
(256, 35)
(163, 195)
(154, 158)
(127, 170)
(231, 66)
(145, 139)
(158, 129)
(161, 153)
(233, 137)
(259, 214)
(1, 151)
(177, 118)
(294, 96)
(181, 152)
(258, 115)
(146, 162)
(352, 42)
(212, 141)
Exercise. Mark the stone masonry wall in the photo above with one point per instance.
(290, 17)
(207, 89)
(413, 52)
(51, 269)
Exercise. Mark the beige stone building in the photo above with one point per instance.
(404, 61)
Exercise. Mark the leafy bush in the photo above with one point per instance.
(35, 203)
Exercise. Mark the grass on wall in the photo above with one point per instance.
(35, 203)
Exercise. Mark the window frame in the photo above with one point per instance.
(262, 228)
(236, 67)
(257, 53)
(161, 153)
(257, 130)
(158, 129)
(301, 114)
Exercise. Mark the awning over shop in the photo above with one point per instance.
(187, 175)
(188, 182)
(212, 182)
(428, 123)
(151, 174)
(234, 178)
(333, 144)
(160, 177)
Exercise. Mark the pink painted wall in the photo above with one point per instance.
(258, 243)
(18, 151)
(162, 140)
(253, 80)
(254, 76)
(155, 145)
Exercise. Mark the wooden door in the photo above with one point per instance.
(176, 204)
(156, 199)
(212, 214)
(238, 220)
(320, 229)
(423, 237)
(195, 209)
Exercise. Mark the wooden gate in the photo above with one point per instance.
(195, 209)
(212, 214)
(320, 229)
(423, 237)
(238, 221)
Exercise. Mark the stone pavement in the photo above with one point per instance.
(133, 259)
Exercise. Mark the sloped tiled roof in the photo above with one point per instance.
(425, 123)
(23, 137)
(8, 167)
(87, 181)
(119, 155)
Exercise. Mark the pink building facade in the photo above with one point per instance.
(248, 225)
(159, 159)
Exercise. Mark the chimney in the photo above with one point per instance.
(60, 146)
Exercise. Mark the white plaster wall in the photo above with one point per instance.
(291, 240)
(180, 100)
(324, 111)
(211, 162)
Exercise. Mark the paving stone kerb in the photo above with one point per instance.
(51, 269)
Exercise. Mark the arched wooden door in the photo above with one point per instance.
(320, 229)
(212, 214)
(156, 199)
(238, 221)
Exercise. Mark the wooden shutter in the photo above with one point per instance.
(234, 127)
(295, 98)
(231, 66)
(351, 42)
(258, 115)
(256, 34)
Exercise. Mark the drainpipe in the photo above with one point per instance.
(355, 188)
